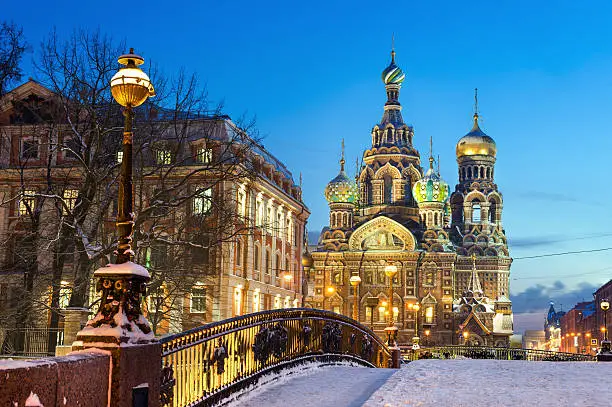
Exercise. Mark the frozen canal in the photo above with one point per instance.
(443, 383)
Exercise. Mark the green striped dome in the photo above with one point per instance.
(393, 75)
(431, 188)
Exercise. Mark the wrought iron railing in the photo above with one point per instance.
(485, 352)
(204, 365)
(30, 342)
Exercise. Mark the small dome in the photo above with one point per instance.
(476, 142)
(341, 189)
(393, 74)
(430, 188)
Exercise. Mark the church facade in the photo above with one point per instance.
(449, 250)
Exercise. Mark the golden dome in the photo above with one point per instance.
(476, 142)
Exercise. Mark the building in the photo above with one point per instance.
(603, 293)
(449, 250)
(552, 328)
(220, 220)
(578, 329)
(534, 339)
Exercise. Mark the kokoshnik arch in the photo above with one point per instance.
(450, 250)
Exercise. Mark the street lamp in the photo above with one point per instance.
(466, 335)
(427, 332)
(415, 307)
(124, 283)
(390, 272)
(355, 281)
(604, 353)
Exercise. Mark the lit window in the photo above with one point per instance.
(204, 155)
(164, 157)
(336, 309)
(29, 148)
(277, 302)
(119, 157)
(70, 197)
(202, 201)
(197, 300)
(429, 315)
(368, 312)
(26, 201)
(287, 302)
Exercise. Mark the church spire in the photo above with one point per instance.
(474, 285)
(342, 158)
(431, 159)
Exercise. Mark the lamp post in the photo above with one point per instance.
(415, 307)
(427, 332)
(124, 283)
(605, 355)
(466, 335)
(307, 263)
(355, 281)
(391, 330)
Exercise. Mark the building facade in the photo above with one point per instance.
(449, 249)
(208, 261)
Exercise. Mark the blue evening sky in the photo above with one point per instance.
(310, 72)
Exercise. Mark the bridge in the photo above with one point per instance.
(224, 361)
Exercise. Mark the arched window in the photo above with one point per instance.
(388, 189)
(481, 172)
(475, 211)
(268, 261)
(492, 211)
(469, 172)
(429, 315)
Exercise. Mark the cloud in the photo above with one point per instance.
(550, 240)
(536, 298)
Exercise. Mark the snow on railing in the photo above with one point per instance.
(489, 352)
(204, 365)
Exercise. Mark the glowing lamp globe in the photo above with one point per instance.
(307, 260)
(355, 280)
(605, 305)
(130, 86)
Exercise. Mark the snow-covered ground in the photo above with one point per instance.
(447, 383)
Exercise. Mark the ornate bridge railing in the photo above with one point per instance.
(484, 352)
(204, 365)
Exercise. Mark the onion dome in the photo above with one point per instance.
(393, 75)
(430, 188)
(342, 188)
(476, 142)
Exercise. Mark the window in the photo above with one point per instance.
(155, 302)
(388, 189)
(203, 154)
(278, 265)
(163, 157)
(476, 212)
(429, 315)
(197, 300)
(268, 260)
(159, 255)
(277, 301)
(368, 314)
(256, 301)
(119, 157)
(269, 219)
(70, 197)
(29, 148)
(202, 201)
(259, 213)
(201, 255)
(241, 204)
(429, 278)
(72, 148)
(257, 259)
(238, 253)
(26, 202)
(336, 309)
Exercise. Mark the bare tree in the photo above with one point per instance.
(187, 162)
(12, 47)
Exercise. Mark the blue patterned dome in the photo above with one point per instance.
(393, 74)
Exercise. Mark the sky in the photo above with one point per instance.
(309, 73)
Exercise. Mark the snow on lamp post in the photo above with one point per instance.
(605, 354)
(123, 284)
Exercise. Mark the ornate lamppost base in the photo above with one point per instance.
(391, 332)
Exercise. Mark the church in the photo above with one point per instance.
(402, 251)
